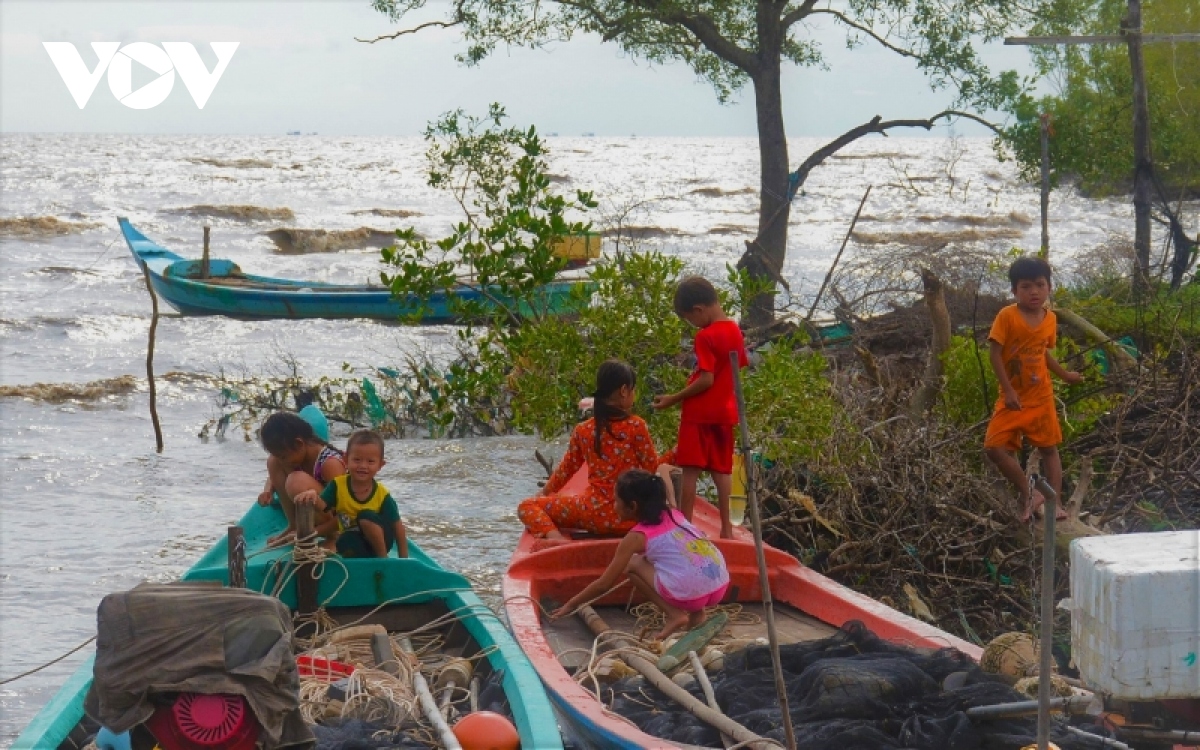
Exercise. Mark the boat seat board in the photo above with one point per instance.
(792, 625)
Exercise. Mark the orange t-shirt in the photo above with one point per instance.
(1023, 351)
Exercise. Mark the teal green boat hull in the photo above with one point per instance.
(365, 583)
(177, 282)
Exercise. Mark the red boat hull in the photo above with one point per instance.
(544, 571)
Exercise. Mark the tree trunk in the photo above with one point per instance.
(764, 256)
(1143, 164)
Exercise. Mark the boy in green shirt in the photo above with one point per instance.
(368, 520)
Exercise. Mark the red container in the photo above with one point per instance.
(323, 669)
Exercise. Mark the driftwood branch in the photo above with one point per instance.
(939, 315)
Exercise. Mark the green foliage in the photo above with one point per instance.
(970, 388)
(1092, 113)
(727, 43)
(504, 247)
(630, 317)
(1156, 321)
(790, 406)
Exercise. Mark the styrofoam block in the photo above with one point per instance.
(1135, 614)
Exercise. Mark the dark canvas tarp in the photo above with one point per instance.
(200, 638)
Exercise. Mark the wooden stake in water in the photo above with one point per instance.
(204, 258)
(235, 543)
(158, 437)
(1039, 484)
(756, 526)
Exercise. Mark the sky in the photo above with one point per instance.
(298, 67)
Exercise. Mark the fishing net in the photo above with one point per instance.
(851, 691)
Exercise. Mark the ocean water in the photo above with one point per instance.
(89, 508)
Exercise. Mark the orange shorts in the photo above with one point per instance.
(1038, 424)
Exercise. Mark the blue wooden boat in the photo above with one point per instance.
(421, 589)
(230, 292)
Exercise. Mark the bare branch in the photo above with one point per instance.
(402, 32)
(857, 27)
(804, 10)
(704, 28)
(878, 125)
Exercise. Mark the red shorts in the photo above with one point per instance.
(693, 605)
(708, 447)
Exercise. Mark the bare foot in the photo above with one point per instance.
(1060, 513)
(287, 536)
(554, 534)
(676, 619)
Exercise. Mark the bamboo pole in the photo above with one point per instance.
(158, 437)
(1045, 128)
(838, 257)
(429, 706)
(655, 677)
(1039, 484)
(707, 689)
(756, 525)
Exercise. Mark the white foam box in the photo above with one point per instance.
(1135, 614)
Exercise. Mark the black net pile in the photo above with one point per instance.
(851, 691)
(354, 734)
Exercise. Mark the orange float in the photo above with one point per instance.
(486, 730)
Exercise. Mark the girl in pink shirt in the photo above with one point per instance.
(666, 558)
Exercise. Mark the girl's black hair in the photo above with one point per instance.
(610, 378)
(647, 490)
(282, 429)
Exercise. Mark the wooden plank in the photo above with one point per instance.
(1099, 39)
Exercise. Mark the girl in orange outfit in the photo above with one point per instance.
(610, 442)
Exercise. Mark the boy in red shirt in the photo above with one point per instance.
(709, 403)
(1021, 342)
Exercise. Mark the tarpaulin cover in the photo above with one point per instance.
(161, 639)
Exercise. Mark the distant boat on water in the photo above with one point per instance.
(227, 290)
(589, 134)
(293, 132)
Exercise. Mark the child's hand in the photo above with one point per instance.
(308, 497)
(264, 497)
(562, 611)
(1073, 378)
(1012, 401)
(664, 402)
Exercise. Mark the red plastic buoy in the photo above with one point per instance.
(486, 730)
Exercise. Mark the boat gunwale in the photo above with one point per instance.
(522, 686)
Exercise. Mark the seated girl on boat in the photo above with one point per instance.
(368, 520)
(613, 440)
(298, 461)
(666, 558)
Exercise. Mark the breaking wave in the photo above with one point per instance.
(716, 192)
(931, 238)
(42, 226)
(303, 241)
(390, 213)
(57, 393)
(238, 213)
(232, 163)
